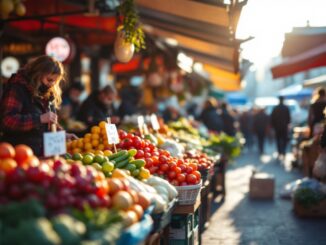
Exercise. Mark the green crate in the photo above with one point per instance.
(181, 227)
(188, 241)
(196, 218)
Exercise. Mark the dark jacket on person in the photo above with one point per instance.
(212, 119)
(280, 118)
(228, 122)
(66, 101)
(316, 114)
(130, 97)
(261, 123)
(93, 111)
(20, 114)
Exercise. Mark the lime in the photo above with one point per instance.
(135, 173)
(97, 166)
(107, 166)
(77, 157)
(131, 167)
(87, 159)
(68, 156)
(99, 159)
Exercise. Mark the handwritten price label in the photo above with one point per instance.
(54, 143)
(155, 123)
(112, 133)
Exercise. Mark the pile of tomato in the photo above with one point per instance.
(160, 162)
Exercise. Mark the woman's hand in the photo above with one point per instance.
(49, 117)
(70, 137)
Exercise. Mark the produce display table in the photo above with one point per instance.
(218, 180)
(206, 203)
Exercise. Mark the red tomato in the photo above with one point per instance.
(177, 170)
(151, 146)
(160, 172)
(127, 142)
(156, 153)
(183, 184)
(122, 134)
(164, 167)
(137, 142)
(149, 162)
(172, 174)
(193, 165)
(153, 169)
(163, 159)
(179, 162)
(155, 160)
(183, 167)
(189, 170)
(147, 155)
(191, 179)
(147, 149)
(140, 154)
(172, 166)
(197, 174)
(181, 177)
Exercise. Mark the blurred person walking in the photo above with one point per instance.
(228, 120)
(260, 127)
(316, 116)
(246, 127)
(210, 117)
(280, 120)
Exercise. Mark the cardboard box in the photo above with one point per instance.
(262, 186)
(315, 211)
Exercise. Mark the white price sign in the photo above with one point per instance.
(54, 143)
(155, 123)
(112, 133)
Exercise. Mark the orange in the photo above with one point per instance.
(74, 143)
(102, 124)
(76, 150)
(95, 130)
(23, 152)
(7, 164)
(87, 140)
(95, 136)
(100, 147)
(95, 143)
(88, 146)
(87, 136)
(6, 151)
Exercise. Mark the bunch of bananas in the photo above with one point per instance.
(11, 6)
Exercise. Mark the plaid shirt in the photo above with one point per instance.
(11, 107)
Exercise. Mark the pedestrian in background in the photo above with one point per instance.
(210, 117)
(260, 127)
(228, 120)
(316, 116)
(246, 127)
(280, 120)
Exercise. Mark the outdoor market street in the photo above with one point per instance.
(243, 221)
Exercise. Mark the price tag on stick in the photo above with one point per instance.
(155, 123)
(113, 136)
(54, 143)
(141, 122)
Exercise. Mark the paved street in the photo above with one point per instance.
(240, 220)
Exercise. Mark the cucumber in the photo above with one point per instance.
(122, 164)
(131, 167)
(118, 154)
(139, 163)
(121, 158)
(132, 152)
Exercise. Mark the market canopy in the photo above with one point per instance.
(312, 58)
(201, 29)
(296, 92)
(303, 49)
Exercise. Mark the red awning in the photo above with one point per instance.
(312, 58)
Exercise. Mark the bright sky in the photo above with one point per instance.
(268, 20)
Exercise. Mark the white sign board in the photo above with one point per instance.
(112, 133)
(54, 143)
(58, 48)
(155, 123)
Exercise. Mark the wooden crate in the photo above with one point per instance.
(316, 211)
